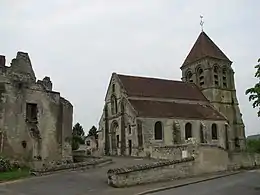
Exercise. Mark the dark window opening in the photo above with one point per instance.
(113, 88)
(200, 76)
(189, 77)
(215, 69)
(24, 144)
(113, 105)
(139, 134)
(237, 145)
(158, 131)
(117, 141)
(188, 131)
(226, 134)
(129, 129)
(31, 112)
(224, 78)
(214, 131)
(201, 134)
(216, 78)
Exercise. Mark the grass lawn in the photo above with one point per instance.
(14, 174)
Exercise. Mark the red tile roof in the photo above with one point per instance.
(158, 109)
(204, 47)
(160, 88)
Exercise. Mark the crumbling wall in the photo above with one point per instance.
(37, 138)
(66, 134)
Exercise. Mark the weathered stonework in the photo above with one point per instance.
(116, 125)
(36, 122)
(55, 167)
(222, 97)
(199, 159)
(207, 90)
(153, 172)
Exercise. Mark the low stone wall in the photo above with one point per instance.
(71, 166)
(210, 159)
(174, 152)
(238, 160)
(147, 173)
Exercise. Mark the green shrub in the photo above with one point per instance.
(253, 146)
(5, 165)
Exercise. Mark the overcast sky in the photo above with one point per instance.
(79, 43)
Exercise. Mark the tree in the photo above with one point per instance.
(78, 130)
(77, 136)
(253, 145)
(93, 132)
(255, 91)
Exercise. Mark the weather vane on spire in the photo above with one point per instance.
(201, 22)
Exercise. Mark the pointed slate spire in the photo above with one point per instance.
(204, 47)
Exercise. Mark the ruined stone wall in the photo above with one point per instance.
(67, 120)
(39, 138)
(154, 172)
(18, 130)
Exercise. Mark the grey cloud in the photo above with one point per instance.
(80, 43)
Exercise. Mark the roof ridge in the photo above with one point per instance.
(154, 78)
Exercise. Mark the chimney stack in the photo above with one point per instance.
(2, 60)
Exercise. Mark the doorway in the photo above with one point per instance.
(130, 147)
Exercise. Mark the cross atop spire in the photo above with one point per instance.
(201, 22)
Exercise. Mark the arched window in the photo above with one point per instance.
(188, 131)
(200, 75)
(129, 129)
(113, 105)
(201, 134)
(113, 88)
(215, 75)
(189, 76)
(214, 131)
(224, 77)
(158, 134)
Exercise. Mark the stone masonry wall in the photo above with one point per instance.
(67, 119)
(168, 130)
(23, 136)
(154, 172)
(243, 160)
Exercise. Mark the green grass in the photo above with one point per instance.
(14, 174)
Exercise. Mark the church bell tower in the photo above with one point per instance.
(208, 67)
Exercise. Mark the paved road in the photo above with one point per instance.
(247, 183)
(92, 181)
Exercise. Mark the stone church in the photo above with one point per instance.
(141, 112)
(35, 121)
